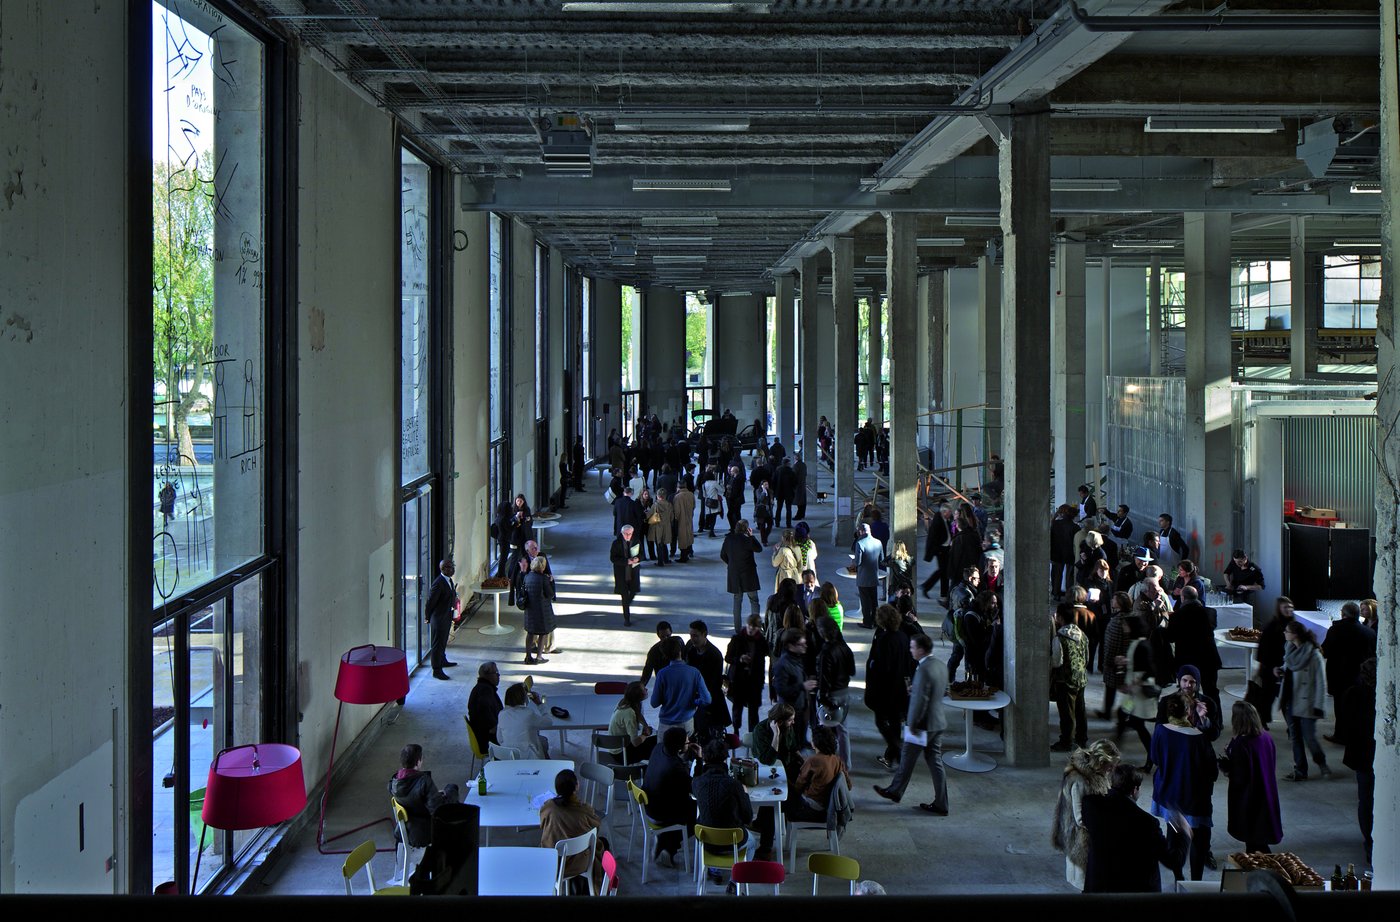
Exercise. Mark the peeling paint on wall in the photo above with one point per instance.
(318, 330)
(14, 188)
(16, 329)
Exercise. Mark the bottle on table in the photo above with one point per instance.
(1337, 878)
(481, 789)
(1350, 882)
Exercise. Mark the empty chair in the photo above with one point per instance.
(650, 831)
(599, 778)
(822, 864)
(360, 858)
(833, 838)
(567, 848)
(504, 753)
(609, 875)
(758, 872)
(478, 751)
(406, 856)
(609, 688)
(709, 835)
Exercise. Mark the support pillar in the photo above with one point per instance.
(1207, 519)
(1068, 347)
(874, 361)
(989, 326)
(1154, 317)
(1302, 317)
(933, 320)
(1386, 855)
(1106, 351)
(903, 281)
(1024, 161)
(807, 329)
(843, 420)
(784, 400)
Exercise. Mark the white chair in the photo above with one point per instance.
(599, 778)
(650, 831)
(791, 829)
(503, 753)
(567, 848)
(406, 856)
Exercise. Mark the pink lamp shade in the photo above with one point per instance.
(254, 786)
(372, 675)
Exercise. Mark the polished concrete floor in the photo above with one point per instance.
(996, 840)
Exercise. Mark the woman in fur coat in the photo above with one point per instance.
(1088, 772)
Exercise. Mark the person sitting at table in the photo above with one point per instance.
(415, 791)
(521, 721)
(667, 786)
(810, 793)
(484, 704)
(721, 802)
(627, 721)
(564, 816)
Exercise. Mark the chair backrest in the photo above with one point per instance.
(400, 820)
(359, 857)
(719, 835)
(609, 875)
(637, 793)
(825, 864)
(504, 753)
(612, 743)
(477, 749)
(602, 778)
(609, 688)
(759, 872)
(567, 848)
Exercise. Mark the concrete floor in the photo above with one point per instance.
(996, 840)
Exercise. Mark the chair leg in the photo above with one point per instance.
(646, 853)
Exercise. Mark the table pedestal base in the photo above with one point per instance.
(967, 760)
(497, 627)
(1235, 691)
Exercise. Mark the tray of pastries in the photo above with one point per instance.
(495, 582)
(1298, 873)
(1244, 634)
(973, 690)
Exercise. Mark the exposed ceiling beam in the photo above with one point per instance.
(1169, 80)
(868, 79)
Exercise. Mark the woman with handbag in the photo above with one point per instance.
(538, 605)
(785, 561)
(1139, 686)
(645, 500)
(659, 521)
(1305, 697)
(747, 657)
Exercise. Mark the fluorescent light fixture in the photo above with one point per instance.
(681, 122)
(973, 220)
(1365, 188)
(670, 260)
(1143, 244)
(666, 6)
(877, 260)
(1211, 124)
(1367, 244)
(680, 241)
(662, 220)
(1085, 185)
(940, 241)
(680, 185)
(738, 294)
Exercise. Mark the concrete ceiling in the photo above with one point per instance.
(850, 108)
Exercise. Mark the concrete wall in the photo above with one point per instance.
(962, 365)
(607, 358)
(64, 533)
(523, 360)
(559, 437)
(1127, 298)
(468, 540)
(665, 352)
(347, 377)
(740, 361)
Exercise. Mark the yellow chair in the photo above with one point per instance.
(360, 858)
(655, 829)
(709, 835)
(823, 864)
(478, 750)
(406, 856)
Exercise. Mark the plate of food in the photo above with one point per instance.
(972, 690)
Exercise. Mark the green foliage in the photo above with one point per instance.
(695, 335)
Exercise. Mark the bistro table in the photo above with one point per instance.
(539, 531)
(496, 627)
(587, 711)
(967, 760)
(516, 871)
(1222, 638)
(512, 787)
(772, 791)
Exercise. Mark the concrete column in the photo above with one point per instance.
(663, 355)
(740, 365)
(989, 326)
(933, 300)
(1025, 368)
(807, 328)
(522, 357)
(905, 359)
(874, 359)
(1154, 317)
(1386, 855)
(843, 420)
(1209, 462)
(1068, 345)
(1105, 352)
(784, 403)
(1303, 319)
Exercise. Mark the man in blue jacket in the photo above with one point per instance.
(680, 690)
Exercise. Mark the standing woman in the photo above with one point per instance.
(659, 528)
(888, 670)
(644, 502)
(1270, 659)
(836, 666)
(522, 521)
(539, 610)
(1184, 779)
(900, 567)
(831, 601)
(747, 657)
(966, 549)
(1305, 697)
(806, 547)
(1250, 762)
(1088, 772)
(785, 561)
(763, 509)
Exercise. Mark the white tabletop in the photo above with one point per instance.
(763, 793)
(525, 771)
(547, 523)
(492, 590)
(1222, 636)
(516, 871)
(1228, 616)
(999, 699)
(586, 711)
(1317, 621)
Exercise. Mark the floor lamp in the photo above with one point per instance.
(250, 787)
(368, 675)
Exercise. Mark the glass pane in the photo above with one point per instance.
(207, 193)
(244, 709)
(416, 576)
(541, 331)
(414, 346)
(163, 795)
(498, 344)
(208, 697)
(630, 328)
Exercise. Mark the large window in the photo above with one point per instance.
(591, 438)
(415, 257)
(500, 346)
(1351, 291)
(1260, 295)
(698, 389)
(213, 579)
(541, 333)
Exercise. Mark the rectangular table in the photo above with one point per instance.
(511, 789)
(516, 871)
(1317, 621)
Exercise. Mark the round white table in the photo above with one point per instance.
(496, 627)
(539, 531)
(1222, 636)
(967, 760)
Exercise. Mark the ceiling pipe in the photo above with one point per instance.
(1243, 22)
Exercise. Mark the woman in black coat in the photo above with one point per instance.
(888, 669)
(746, 657)
(1062, 532)
(966, 549)
(539, 619)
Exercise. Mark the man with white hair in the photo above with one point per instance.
(626, 560)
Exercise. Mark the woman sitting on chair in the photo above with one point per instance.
(627, 721)
(521, 721)
(564, 817)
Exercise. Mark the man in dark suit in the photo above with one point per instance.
(799, 471)
(576, 464)
(1192, 631)
(1121, 526)
(784, 491)
(1125, 841)
(1348, 644)
(627, 511)
(627, 574)
(438, 612)
(939, 543)
(925, 716)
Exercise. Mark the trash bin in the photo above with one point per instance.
(449, 866)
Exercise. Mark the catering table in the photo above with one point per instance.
(539, 531)
(1222, 639)
(496, 627)
(967, 760)
(1318, 622)
(511, 790)
(1226, 617)
(516, 871)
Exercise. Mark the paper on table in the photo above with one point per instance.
(917, 737)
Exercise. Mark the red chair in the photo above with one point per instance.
(609, 875)
(758, 872)
(609, 688)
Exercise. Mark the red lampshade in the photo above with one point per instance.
(254, 786)
(372, 675)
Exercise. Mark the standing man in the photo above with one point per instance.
(734, 495)
(1348, 644)
(738, 553)
(484, 704)
(784, 489)
(937, 547)
(924, 726)
(1191, 631)
(1168, 538)
(868, 552)
(626, 560)
(657, 657)
(438, 611)
(707, 659)
(1242, 577)
(627, 511)
(1120, 526)
(790, 683)
(564, 477)
(576, 465)
(680, 690)
(799, 473)
(683, 535)
(1069, 656)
